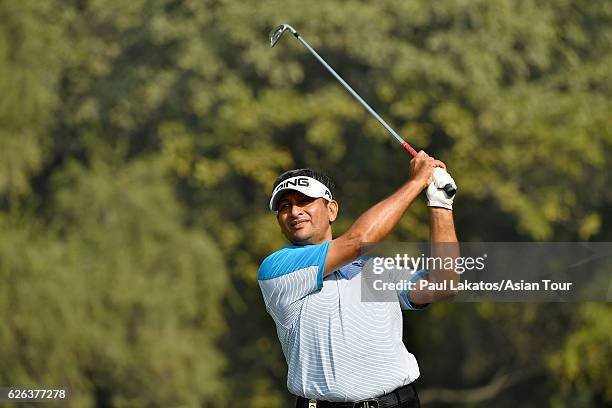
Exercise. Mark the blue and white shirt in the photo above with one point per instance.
(337, 347)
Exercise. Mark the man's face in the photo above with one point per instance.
(306, 220)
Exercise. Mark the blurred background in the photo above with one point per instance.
(139, 141)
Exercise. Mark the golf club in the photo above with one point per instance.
(277, 33)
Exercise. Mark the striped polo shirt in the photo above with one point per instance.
(337, 347)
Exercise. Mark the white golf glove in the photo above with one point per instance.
(436, 196)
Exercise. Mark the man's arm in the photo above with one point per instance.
(444, 245)
(378, 221)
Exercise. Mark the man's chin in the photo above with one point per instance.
(300, 238)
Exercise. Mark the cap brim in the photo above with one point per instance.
(279, 194)
(305, 185)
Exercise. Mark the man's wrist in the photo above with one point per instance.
(440, 206)
(416, 185)
(440, 211)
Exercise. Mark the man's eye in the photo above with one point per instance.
(283, 206)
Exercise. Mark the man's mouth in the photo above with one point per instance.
(297, 224)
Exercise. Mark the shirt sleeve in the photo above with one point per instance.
(405, 302)
(287, 276)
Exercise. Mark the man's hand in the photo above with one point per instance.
(422, 169)
(436, 196)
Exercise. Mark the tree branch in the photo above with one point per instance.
(498, 383)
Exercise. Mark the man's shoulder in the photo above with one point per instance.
(290, 258)
(267, 267)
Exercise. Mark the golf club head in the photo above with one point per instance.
(277, 33)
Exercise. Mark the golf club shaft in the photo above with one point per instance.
(275, 36)
(404, 144)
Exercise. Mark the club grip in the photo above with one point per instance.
(409, 149)
(449, 190)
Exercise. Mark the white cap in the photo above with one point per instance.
(305, 185)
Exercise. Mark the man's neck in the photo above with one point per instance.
(328, 236)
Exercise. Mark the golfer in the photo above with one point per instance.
(340, 351)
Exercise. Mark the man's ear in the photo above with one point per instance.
(332, 210)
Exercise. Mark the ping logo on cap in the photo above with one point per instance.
(305, 185)
(293, 182)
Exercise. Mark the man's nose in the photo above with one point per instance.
(296, 210)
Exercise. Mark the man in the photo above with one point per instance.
(340, 351)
